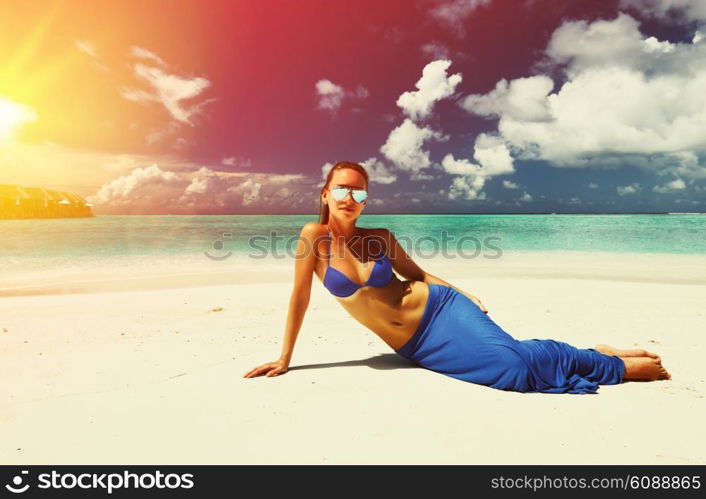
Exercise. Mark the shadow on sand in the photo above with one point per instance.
(385, 361)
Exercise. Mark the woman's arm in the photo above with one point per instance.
(406, 267)
(305, 261)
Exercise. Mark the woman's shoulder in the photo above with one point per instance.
(314, 230)
(316, 235)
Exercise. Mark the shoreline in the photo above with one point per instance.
(665, 268)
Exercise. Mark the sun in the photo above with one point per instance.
(12, 115)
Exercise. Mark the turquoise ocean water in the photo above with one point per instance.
(117, 241)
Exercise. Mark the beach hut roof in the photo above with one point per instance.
(73, 197)
(12, 192)
(55, 195)
(78, 198)
(37, 193)
(9, 191)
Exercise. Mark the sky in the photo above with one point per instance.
(453, 106)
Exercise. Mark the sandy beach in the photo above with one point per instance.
(147, 369)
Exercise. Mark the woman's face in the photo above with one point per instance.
(346, 208)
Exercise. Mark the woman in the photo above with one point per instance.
(424, 318)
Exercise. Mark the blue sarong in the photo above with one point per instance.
(456, 338)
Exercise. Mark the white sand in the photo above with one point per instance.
(149, 376)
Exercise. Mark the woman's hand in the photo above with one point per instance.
(270, 369)
(477, 301)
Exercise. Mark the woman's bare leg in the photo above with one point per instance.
(637, 352)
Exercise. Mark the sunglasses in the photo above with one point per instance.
(338, 193)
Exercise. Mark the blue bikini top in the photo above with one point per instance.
(339, 284)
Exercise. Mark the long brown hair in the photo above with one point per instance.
(323, 207)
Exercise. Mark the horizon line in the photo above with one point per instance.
(426, 213)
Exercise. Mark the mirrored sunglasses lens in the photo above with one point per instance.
(360, 195)
(338, 193)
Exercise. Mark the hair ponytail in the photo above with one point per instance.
(323, 212)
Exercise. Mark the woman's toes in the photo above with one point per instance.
(651, 354)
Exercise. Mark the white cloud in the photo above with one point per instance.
(628, 189)
(233, 161)
(507, 184)
(331, 96)
(493, 158)
(523, 99)
(618, 43)
(689, 9)
(467, 187)
(525, 198)
(673, 186)
(418, 175)
(284, 177)
(490, 152)
(453, 13)
(682, 164)
(593, 185)
(435, 50)
(459, 166)
(627, 100)
(85, 47)
(125, 189)
(88, 48)
(378, 172)
(126, 183)
(157, 134)
(154, 190)
(433, 86)
(493, 155)
(404, 146)
(143, 53)
(325, 168)
(197, 185)
(248, 192)
(167, 89)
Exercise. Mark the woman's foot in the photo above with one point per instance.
(644, 368)
(638, 352)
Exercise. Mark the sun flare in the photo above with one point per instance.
(12, 116)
